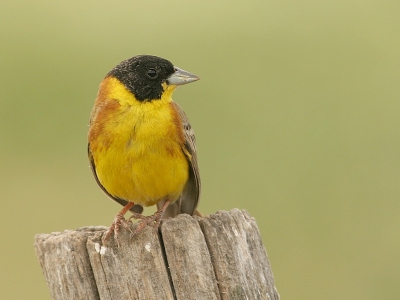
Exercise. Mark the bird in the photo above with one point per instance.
(141, 146)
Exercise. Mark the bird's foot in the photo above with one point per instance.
(156, 217)
(119, 221)
(148, 221)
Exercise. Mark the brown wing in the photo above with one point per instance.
(189, 198)
(135, 208)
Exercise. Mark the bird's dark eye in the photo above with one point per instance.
(152, 73)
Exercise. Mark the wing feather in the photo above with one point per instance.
(188, 201)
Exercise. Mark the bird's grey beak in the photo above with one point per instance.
(180, 77)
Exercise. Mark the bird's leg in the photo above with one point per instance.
(157, 217)
(119, 221)
(159, 213)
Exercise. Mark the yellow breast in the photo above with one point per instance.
(137, 146)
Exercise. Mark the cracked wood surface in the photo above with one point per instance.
(220, 256)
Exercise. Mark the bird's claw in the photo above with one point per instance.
(119, 221)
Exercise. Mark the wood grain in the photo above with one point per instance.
(188, 259)
(220, 256)
(240, 261)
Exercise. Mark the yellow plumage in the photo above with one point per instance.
(141, 146)
(137, 146)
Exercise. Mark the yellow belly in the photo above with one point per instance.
(142, 177)
(137, 150)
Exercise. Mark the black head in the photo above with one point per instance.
(143, 75)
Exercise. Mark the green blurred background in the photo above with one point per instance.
(296, 117)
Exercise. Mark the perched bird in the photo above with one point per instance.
(141, 146)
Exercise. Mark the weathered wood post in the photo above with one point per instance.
(220, 256)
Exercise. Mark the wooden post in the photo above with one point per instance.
(220, 256)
